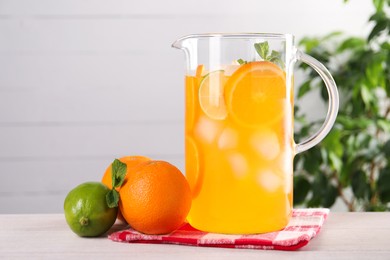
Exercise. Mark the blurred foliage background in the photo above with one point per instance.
(353, 162)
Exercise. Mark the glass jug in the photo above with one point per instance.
(239, 145)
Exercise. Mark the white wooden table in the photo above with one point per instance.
(47, 236)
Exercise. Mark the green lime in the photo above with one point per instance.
(86, 210)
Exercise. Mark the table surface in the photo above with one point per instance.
(47, 236)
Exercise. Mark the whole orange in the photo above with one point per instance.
(156, 198)
(131, 162)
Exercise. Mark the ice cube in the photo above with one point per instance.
(228, 139)
(266, 143)
(284, 164)
(269, 180)
(239, 164)
(207, 130)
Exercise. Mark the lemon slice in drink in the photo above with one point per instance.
(256, 94)
(211, 95)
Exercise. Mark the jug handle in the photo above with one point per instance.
(333, 104)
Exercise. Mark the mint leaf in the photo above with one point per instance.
(118, 172)
(262, 49)
(276, 58)
(112, 198)
(274, 55)
(241, 61)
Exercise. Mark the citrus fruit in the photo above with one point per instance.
(131, 162)
(86, 210)
(199, 71)
(193, 173)
(192, 84)
(255, 93)
(156, 198)
(211, 97)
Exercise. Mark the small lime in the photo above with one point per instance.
(86, 210)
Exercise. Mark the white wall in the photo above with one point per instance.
(83, 82)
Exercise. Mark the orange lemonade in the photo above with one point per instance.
(239, 148)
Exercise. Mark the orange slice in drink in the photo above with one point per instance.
(191, 92)
(199, 71)
(192, 172)
(211, 95)
(255, 94)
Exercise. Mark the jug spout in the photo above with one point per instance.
(189, 44)
(178, 44)
(183, 41)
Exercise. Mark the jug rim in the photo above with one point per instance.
(281, 36)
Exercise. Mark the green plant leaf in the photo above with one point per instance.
(331, 35)
(354, 123)
(112, 198)
(378, 4)
(336, 161)
(386, 46)
(374, 72)
(346, 121)
(359, 184)
(241, 61)
(378, 16)
(329, 197)
(324, 155)
(304, 88)
(361, 67)
(318, 188)
(309, 43)
(301, 189)
(384, 125)
(314, 201)
(274, 55)
(276, 58)
(386, 148)
(378, 28)
(367, 95)
(118, 171)
(346, 171)
(262, 48)
(383, 185)
(376, 208)
(351, 43)
(312, 161)
(332, 142)
(363, 139)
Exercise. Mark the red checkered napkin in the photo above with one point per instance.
(303, 226)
